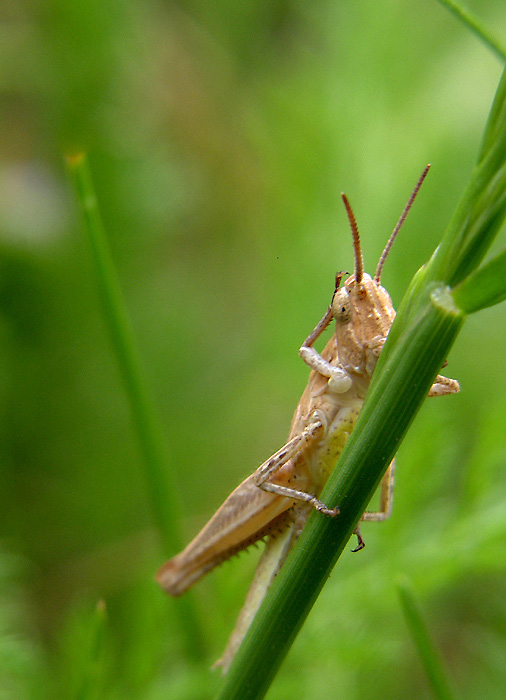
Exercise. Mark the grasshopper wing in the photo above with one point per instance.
(248, 515)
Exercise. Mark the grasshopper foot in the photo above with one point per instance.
(360, 540)
(322, 508)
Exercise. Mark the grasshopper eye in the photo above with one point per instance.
(341, 307)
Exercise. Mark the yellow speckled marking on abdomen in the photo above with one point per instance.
(326, 455)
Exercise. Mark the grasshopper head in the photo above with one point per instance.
(364, 313)
(362, 308)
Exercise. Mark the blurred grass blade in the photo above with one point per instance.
(431, 660)
(476, 27)
(485, 287)
(473, 226)
(496, 120)
(159, 480)
(161, 487)
(93, 670)
(487, 216)
(479, 213)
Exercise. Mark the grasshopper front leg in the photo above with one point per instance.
(339, 380)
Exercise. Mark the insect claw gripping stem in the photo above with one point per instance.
(360, 541)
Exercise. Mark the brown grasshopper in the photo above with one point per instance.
(276, 499)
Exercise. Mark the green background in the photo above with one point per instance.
(220, 136)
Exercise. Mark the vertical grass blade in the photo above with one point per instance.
(93, 672)
(429, 655)
(159, 480)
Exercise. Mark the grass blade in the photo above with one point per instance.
(476, 27)
(429, 655)
(159, 480)
(93, 671)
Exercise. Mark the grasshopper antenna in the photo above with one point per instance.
(359, 260)
(393, 236)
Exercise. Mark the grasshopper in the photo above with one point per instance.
(275, 501)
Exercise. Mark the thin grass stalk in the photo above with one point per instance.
(159, 479)
(476, 27)
(427, 651)
(93, 671)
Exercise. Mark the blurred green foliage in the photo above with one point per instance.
(220, 136)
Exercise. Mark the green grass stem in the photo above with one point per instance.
(159, 479)
(93, 670)
(429, 655)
